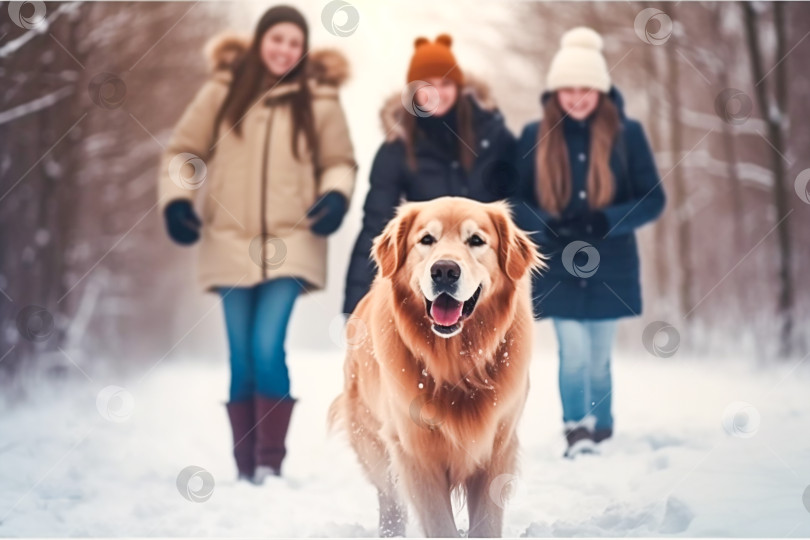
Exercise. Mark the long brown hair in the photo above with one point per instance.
(466, 133)
(553, 179)
(251, 78)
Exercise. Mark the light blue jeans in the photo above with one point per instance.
(585, 381)
(256, 319)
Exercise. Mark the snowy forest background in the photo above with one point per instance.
(113, 366)
(90, 95)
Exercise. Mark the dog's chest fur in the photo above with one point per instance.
(463, 412)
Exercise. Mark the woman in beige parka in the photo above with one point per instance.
(264, 149)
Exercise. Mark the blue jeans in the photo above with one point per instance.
(585, 381)
(256, 319)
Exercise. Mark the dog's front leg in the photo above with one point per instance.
(487, 491)
(486, 514)
(393, 515)
(428, 490)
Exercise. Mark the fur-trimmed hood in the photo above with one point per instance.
(325, 66)
(392, 110)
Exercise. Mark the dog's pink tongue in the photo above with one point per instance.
(446, 310)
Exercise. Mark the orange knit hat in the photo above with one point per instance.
(434, 60)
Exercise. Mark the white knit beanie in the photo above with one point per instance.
(579, 62)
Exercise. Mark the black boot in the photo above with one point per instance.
(579, 435)
(600, 435)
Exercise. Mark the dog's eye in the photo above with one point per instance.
(427, 240)
(475, 240)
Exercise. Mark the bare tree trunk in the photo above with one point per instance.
(729, 142)
(660, 227)
(682, 229)
(72, 187)
(773, 110)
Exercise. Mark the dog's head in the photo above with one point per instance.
(455, 254)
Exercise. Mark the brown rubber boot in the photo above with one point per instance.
(241, 415)
(272, 421)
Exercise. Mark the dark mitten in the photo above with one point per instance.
(558, 228)
(596, 224)
(328, 213)
(182, 222)
(591, 225)
(566, 229)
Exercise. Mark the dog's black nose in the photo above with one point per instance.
(445, 272)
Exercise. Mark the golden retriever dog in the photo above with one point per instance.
(436, 374)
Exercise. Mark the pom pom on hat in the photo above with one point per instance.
(579, 62)
(582, 36)
(445, 40)
(434, 59)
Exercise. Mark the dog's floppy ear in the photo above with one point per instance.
(390, 247)
(516, 251)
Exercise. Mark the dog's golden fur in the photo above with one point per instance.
(428, 414)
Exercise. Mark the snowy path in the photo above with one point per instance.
(671, 470)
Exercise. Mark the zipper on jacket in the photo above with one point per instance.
(263, 207)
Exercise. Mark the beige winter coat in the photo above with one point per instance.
(252, 187)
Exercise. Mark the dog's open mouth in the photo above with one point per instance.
(447, 314)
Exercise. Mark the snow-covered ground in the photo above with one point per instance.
(86, 460)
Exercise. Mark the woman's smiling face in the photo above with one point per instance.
(578, 103)
(438, 96)
(281, 48)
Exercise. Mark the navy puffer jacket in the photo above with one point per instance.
(576, 286)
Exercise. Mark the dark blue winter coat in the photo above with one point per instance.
(438, 173)
(614, 289)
